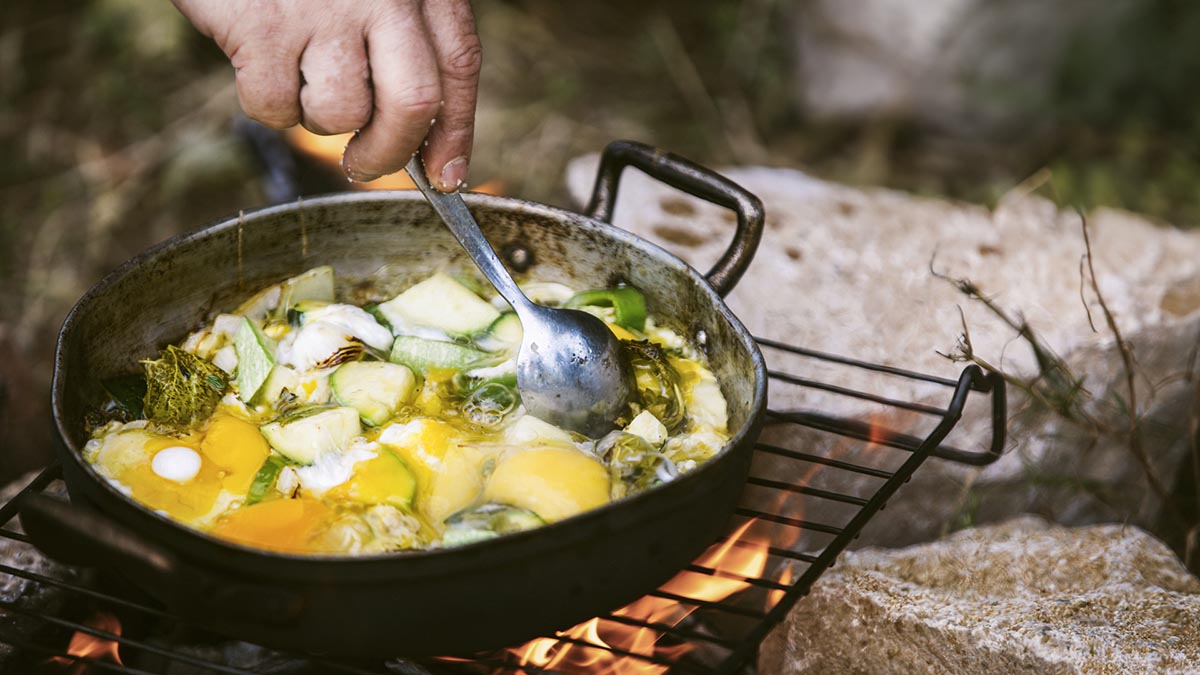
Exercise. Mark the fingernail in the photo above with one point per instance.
(353, 175)
(453, 174)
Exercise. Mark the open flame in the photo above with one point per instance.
(328, 150)
(603, 645)
(87, 646)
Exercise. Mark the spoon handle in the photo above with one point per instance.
(453, 210)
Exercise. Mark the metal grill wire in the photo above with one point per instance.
(719, 636)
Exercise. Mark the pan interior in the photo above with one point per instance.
(377, 243)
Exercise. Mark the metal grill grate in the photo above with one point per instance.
(817, 479)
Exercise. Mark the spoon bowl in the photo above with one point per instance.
(571, 370)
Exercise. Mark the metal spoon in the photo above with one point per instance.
(571, 370)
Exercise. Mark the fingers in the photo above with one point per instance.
(460, 57)
(407, 94)
(336, 95)
(264, 45)
(268, 82)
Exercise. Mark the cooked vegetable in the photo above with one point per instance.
(487, 402)
(376, 390)
(504, 335)
(657, 382)
(182, 389)
(648, 427)
(128, 392)
(281, 379)
(307, 435)
(255, 358)
(439, 302)
(420, 355)
(632, 461)
(629, 305)
(264, 480)
(487, 522)
(315, 285)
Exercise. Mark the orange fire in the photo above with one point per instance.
(328, 150)
(87, 646)
(603, 645)
(775, 595)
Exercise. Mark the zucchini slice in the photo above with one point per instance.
(439, 302)
(503, 335)
(304, 438)
(420, 355)
(315, 285)
(375, 389)
(255, 357)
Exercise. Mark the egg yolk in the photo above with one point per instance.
(238, 448)
(286, 525)
(194, 501)
(449, 476)
(554, 483)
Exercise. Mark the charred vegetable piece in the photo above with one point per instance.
(256, 358)
(265, 479)
(657, 381)
(182, 389)
(306, 435)
(375, 389)
(420, 355)
(628, 303)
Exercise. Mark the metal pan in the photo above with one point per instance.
(460, 600)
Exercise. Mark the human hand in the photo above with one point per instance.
(384, 68)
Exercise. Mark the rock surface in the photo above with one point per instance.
(847, 271)
(1020, 597)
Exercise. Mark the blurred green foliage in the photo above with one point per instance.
(1127, 110)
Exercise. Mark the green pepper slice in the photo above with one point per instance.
(627, 301)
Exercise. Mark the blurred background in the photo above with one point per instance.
(119, 124)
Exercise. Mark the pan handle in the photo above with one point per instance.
(686, 175)
(76, 536)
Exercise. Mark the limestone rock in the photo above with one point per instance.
(848, 271)
(1020, 597)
